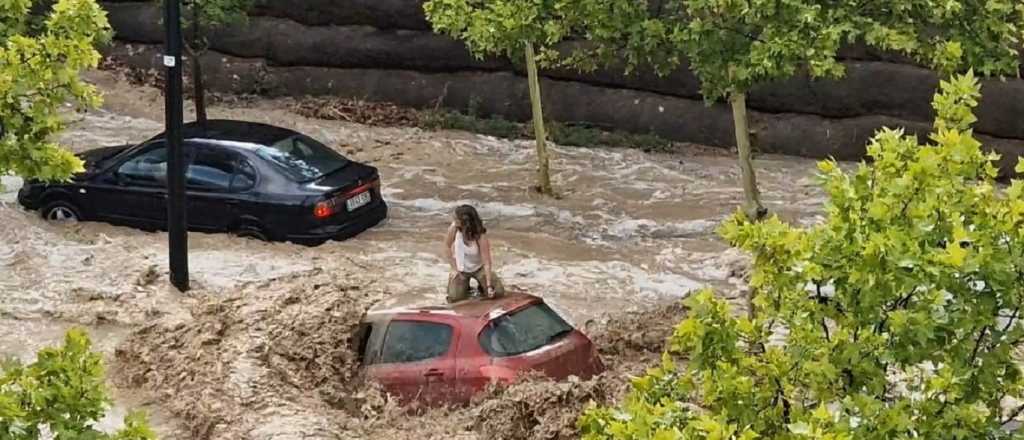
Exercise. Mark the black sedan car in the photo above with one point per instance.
(253, 180)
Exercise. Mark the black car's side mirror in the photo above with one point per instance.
(121, 179)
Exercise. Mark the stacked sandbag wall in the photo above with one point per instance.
(383, 50)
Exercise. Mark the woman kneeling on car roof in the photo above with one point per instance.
(469, 253)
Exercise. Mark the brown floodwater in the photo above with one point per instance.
(630, 228)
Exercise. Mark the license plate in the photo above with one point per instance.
(358, 201)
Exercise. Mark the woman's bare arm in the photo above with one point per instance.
(485, 252)
(449, 240)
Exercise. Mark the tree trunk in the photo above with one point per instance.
(544, 173)
(752, 206)
(198, 93)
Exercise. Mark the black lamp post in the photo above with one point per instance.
(177, 232)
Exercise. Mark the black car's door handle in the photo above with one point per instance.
(433, 372)
(230, 202)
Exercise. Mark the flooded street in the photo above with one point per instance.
(631, 228)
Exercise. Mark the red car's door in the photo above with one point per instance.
(417, 358)
(536, 338)
(473, 367)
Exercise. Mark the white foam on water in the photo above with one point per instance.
(231, 268)
(388, 191)
(101, 128)
(595, 227)
(9, 186)
(409, 172)
(630, 227)
(486, 209)
(509, 151)
(678, 258)
(617, 278)
(661, 195)
(412, 271)
(477, 187)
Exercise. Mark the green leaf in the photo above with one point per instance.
(955, 255)
(39, 73)
(800, 428)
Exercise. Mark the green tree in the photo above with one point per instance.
(901, 311)
(204, 17)
(39, 73)
(62, 392)
(950, 36)
(731, 46)
(512, 28)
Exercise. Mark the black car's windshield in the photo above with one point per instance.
(523, 331)
(301, 158)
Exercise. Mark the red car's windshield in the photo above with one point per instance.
(523, 331)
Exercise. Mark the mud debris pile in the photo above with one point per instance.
(629, 342)
(543, 409)
(273, 360)
(357, 111)
(270, 360)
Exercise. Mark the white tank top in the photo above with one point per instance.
(467, 256)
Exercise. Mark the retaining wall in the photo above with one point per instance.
(383, 50)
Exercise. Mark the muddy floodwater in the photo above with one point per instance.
(630, 229)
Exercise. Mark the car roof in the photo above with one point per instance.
(234, 131)
(472, 308)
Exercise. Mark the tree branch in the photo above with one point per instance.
(901, 302)
(977, 345)
(824, 325)
(906, 203)
(1013, 317)
(780, 395)
(1013, 414)
(970, 362)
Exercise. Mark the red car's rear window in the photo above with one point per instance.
(413, 341)
(523, 331)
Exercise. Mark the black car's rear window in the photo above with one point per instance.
(523, 331)
(301, 158)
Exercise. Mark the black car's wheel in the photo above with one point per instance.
(250, 231)
(61, 211)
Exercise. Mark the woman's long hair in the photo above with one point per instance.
(469, 222)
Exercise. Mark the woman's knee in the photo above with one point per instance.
(458, 288)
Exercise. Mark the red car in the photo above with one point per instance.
(446, 354)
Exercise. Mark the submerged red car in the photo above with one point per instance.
(446, 354)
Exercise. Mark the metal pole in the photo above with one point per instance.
(177, 233)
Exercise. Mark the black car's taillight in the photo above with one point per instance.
(336, 204)
(324, 209)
